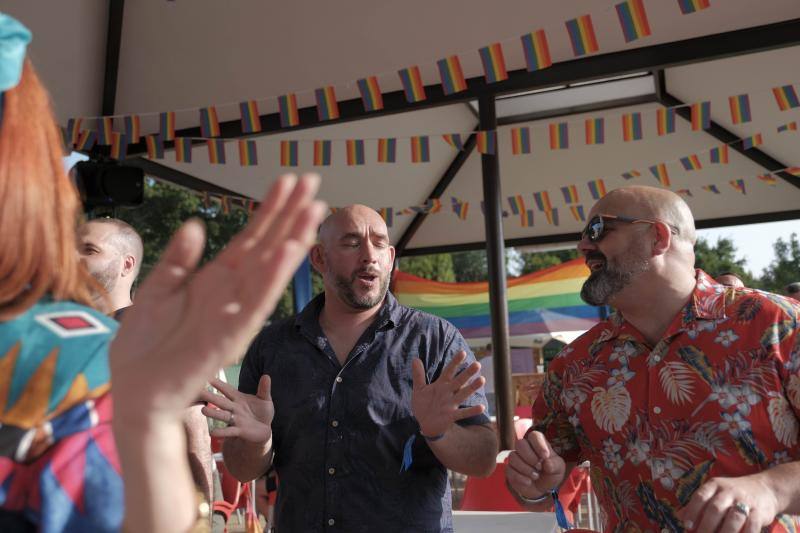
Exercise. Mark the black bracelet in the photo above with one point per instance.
(432, 439)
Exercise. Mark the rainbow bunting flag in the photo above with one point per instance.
(719, 155)
(420, 149)
(710, 188)
(289, 153)
(665, 120)
(581, 35)
(370, 93)
(631, 174)
(86, 140)
(684, 192)
(537, 52)
(209, 123)
(183, 149)
(248, 153)
(659, 172)
(216, 151)
(387, 214)
(251, 121)
(559, 135)
(166, 125)
(701, 116)
(542, 200)
(633, 19)
(433, 205)
(786, 97)
(752, 141)
(412, 84)
(631, 126)
(119, 146)
(526, 218)
(327, 107)
(577, 213)
(454, 139)
(769, 179)
(355, 152)
(133, 128)
(690, 6)
(74, 130)
(225, 205)
(597, 188)
(287, 106)
(387, 150)
(460, 208)
(794, 171)
(105, 127)
(691, 162)
(790, 126)
(544, 301)
(155, 146)
(570, 193)
(740, 108)
(486, 142)
(552, 216)
(517, 204)
(595, 130)
(494, 65)
(322, 153)
(521, 140)
(451, 74)
(738, 185)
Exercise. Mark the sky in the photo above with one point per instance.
(754, 241)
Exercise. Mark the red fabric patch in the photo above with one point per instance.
(72, 322)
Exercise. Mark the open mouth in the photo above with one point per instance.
(367, 278)
(595, 263)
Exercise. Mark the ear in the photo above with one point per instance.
(128, 265)
(391, 255)
(317, 256)
(663, 238)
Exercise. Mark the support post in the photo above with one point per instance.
(301, 286)
(498, 304)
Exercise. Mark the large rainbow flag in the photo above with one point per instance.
(544, 301)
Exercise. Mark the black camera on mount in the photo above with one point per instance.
(109, 184)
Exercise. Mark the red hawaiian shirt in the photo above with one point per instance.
(718, 395)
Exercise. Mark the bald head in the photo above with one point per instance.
(121, 236)
(346, 219)
(639, 201)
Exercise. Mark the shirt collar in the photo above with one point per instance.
(388, 316)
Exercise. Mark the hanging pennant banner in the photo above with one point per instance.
(577, 213)
(183, 150)
(552, 216)
(537, 52)
(665, 120)
(74, 130)
(631, 174)
(133, 129)
(322, 153)
(327, 106)
(786, 97)
(631, 126)
(521, 140)
(155, 146)
(719, 155)
(517, 204)
(581, 35)
(701, 116)
(740, 108)
(559, 136)
(595, 130)
(597, 188)
(570, 193)
(791, 126)
(460, 208)
(542, 200)
(370, 93)
(454, 140)
(248, 153)
(387, 150)
(633, 19)
(420, 149)
(711, 188)
(451, 75)
(119, 146)
(769, 179)
(355, 152)
(289, 153)
(287, 107)
(691, 162)
(738, 185)
(684, 192)
(526, 219)
(105, 127)
(659, 171)
(166, 125)
(412, 84)
(692, 6)
(216, 151)
(251, 121)
(486, 142)
(794, 171)
(387, 214)
(209, 123)
(86, 140)
(752, 141)
(494, 65)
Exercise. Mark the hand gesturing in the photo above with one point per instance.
(436, 405)
(248, 416)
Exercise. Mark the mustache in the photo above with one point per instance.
(594, 256)
(367, 272)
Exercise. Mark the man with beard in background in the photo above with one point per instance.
(361, 403)
(685, 402)
(112, 252)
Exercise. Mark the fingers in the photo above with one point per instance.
(230, 392)
(733, 521)
(264, 388)
(178, 261)
(222, 415)
(298, 200)
(529, 454)
(468, 390)
(692, 513)
(450, 370)
(715, 510)
(518, 473)
(229, 431)
(216, 399)
(418, 374)
(466, 412)
(466, 375)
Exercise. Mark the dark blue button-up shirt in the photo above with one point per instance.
(339, 430)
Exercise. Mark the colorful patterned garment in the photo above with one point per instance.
(58, 462)
(719, 395)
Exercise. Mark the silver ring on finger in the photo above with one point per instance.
(741, 508)
(231, 420)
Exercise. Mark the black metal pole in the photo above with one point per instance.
(498, 304)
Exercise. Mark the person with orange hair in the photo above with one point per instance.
(59, 468)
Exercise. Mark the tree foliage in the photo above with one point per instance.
(436, 266)
(785, 268)
(720, 258)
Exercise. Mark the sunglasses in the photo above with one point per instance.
(595, 229)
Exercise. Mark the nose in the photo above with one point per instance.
(585, 246)
(369, 253)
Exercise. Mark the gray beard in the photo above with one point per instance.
(605, 283)
(347, 293)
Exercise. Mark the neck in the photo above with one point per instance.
(112, 302)
(337, 315)
(650, 304)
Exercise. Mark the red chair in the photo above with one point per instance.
(489, 493)
(235, 494)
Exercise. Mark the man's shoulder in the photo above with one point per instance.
(751, 304)
(277, 331)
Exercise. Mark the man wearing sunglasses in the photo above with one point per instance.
(685, 401)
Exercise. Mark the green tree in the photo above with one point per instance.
(438, 267)
(535, 261)
(785, 268)
(721, 257)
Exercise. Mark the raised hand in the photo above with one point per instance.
(248, 416)
(436, 405)
(533, 467)
(187, 323)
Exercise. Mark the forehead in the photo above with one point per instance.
(96, 232)
(359, 221)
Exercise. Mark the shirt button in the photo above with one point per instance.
(331, 521)
(338, 379)
(335, 423)
(331, 471)
(656, 358)
(657, 409)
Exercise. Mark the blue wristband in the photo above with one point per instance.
(432, 439)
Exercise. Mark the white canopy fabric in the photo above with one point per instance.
(184, 54)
